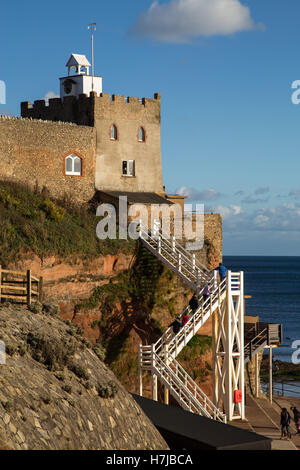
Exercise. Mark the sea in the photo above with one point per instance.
(273, 282)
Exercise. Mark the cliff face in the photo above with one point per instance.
(56, 393)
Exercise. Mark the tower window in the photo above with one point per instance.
(141, 134)
(113, 132)
(128, 168)
(73, 165)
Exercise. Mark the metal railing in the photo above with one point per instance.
(177, 342)
(173, 253)
(184, 388)
(284, 389)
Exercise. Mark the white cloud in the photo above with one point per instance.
(181, 20)
(229, 212)
(49, 95)
(195, 195)
(261, 220)
(284, 218)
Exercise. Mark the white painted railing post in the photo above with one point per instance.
(159, 245)
(179, 262)
(215, 279)
(194, 261)
(198, 282)
(154, 376)
(173, 244)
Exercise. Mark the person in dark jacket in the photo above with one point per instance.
(176, 325)
(296, 418)
(222, 271)
(206, 292)
(285, 420)
(194, 303)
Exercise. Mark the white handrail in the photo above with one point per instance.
(172, 248)
(186, 389)
(171, 340)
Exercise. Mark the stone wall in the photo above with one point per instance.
(74, 403)
(127, 115)
(212, 253)
(213, 233)
(34, 152)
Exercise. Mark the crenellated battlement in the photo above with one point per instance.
(81, 110)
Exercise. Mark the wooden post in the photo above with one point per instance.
(154, 387)
(166, 395)
(41, 281)
(28, 280)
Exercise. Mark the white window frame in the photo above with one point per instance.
(127, 168)
(73, 157)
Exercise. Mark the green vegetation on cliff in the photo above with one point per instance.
(31, 222)
(135, 291)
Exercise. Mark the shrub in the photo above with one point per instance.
(36, 307)
(51, 308)
(53, 353)
(52, 211)
(78, 370)
(100, 352)
(107, 390)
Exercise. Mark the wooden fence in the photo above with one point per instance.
(21, 287)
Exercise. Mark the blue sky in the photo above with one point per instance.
(230, 132)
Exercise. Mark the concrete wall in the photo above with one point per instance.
(34, 152)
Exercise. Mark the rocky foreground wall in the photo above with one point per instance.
(56, 393)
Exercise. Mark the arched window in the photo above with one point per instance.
(141, 134)
(113, 132)
(73, 165)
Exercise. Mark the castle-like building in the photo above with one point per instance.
(90, 146)
(86, 141)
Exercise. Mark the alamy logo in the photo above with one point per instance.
(296, 354)
(2, 92)
(170, 219)
(2, 353)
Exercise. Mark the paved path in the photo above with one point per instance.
(264, 418)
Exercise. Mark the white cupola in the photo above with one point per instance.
(79, 81)
(80, 63)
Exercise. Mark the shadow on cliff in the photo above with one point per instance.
(125, 304)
